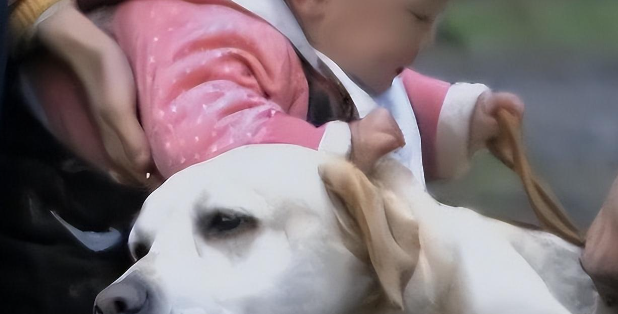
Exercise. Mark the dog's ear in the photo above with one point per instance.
(383, 222)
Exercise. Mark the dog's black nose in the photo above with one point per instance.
(129, 296)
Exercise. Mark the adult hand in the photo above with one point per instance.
(106, 75)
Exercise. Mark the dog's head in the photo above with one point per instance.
(266, 229)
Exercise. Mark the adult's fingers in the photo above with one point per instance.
(127, 149)
(115, 106)
(106, 75)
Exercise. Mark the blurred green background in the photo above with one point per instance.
(561, 58)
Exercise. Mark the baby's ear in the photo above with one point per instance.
(384, 224)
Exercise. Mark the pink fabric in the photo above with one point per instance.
(211, 78)
(427, 96)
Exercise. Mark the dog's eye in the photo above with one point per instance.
(224, 223)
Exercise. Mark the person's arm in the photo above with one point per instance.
(455, 120)
(444, 114)
(220, 115)
(197, 103)
(66, 114)
(210, 117)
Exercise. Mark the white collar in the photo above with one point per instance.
(278, 14)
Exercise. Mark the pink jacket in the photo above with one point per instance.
(212, 77)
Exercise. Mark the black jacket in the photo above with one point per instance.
(44, 267)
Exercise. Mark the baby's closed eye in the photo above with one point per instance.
(425, 18)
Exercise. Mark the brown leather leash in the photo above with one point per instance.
(508, 147)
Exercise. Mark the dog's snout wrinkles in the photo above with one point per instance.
(129, 296)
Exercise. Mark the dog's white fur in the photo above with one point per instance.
(293, 258)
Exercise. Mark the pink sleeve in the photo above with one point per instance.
(222, 81)
(212, 78)
(427, 96)
(218, 116)
(208, 120)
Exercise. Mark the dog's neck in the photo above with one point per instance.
(462, 253)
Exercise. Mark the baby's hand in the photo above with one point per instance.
(484, 125)
(373, 137)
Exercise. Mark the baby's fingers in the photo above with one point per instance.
(114, 107)
(373, 137)
(507, 101)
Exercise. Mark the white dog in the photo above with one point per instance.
(275, 229)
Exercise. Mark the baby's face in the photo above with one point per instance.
(372, 40)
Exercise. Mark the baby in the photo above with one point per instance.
(211, 76)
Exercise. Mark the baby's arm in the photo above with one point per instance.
(212, 79)
(455, 120)
(218, 106)
(444, 113)
(220, 115)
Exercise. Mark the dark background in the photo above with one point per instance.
(561, 58)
